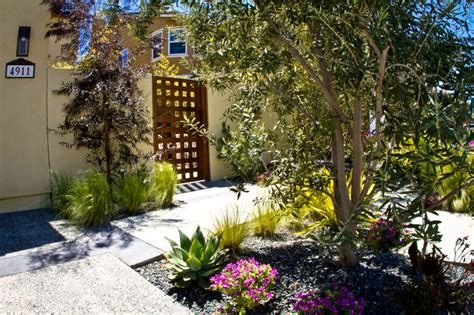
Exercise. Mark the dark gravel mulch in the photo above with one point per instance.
(27, 229)
(302, 265)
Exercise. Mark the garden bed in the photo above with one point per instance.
(302, 265)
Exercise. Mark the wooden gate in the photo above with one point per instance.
(174, 99)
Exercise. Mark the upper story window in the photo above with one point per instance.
(156, 45)
(177, 42)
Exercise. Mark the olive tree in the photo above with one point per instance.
(331, 69)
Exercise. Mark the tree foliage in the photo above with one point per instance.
(330, 69)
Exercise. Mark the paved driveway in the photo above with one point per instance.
(94, 285)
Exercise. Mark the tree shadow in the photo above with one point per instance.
(98, 240)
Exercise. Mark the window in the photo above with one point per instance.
(177, 42)
(156, 45)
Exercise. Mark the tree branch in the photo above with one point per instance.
(451, 194)
(325, 88)
(277, 91)
(379, 96)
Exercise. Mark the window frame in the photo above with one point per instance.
(154, 34)
(171, 29)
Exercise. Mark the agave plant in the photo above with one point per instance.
(195, 259)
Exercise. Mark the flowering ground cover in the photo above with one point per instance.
(302, 265)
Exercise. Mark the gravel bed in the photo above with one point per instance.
(27, 229)
(302, 265)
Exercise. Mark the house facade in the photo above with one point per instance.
(30, 112)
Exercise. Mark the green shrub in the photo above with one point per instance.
(464, 200)
(61, 184)
(265, 219)
(90, 200)
(195, 259)
(132, 192)
(314, 210)
(163, 180)
(240, 148)
(445, 177)
(232, 228)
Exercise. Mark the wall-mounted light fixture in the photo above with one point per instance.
(23, 43)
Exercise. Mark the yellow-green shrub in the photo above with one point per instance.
(314, 209)
(265, 219)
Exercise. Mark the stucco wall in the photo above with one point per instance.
(62, 159)
(218, 102)
(24, 178)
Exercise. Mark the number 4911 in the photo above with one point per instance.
(20, 71)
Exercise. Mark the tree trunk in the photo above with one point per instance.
(343, 205)
(357, 154)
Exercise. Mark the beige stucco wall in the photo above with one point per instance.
(24, 178)
(62, 159)
(218, 102)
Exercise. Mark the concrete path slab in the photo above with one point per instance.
(452, 227)
(194, 208)
(99, 284)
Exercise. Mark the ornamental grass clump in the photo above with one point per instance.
(335, 301)
(90, 200)
(385, 235)
(132, 192)
(232, 228)
(247, 283)
(163, 181)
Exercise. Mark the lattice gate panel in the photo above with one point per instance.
(174, 99)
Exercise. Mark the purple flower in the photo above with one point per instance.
(246, 282)
(335, 301)
(385, 234)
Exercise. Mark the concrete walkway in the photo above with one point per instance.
(94, 285)
(452, 227)
(195, 208)
(108, 239)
